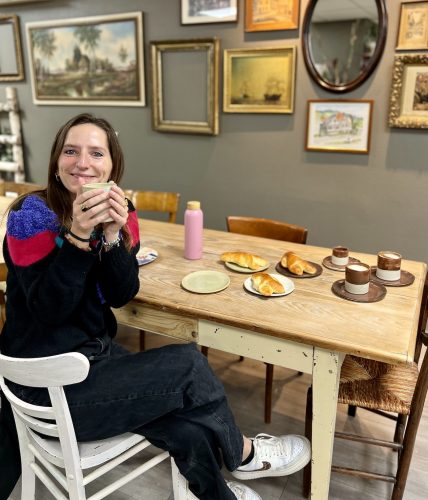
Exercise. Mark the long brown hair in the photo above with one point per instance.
(56, 194)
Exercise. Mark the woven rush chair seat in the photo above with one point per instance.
(376, 385)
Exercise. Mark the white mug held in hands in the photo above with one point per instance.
(106, 186)
(193, 230)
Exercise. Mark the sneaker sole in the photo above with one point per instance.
(291, 468)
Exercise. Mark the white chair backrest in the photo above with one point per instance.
(55, 421)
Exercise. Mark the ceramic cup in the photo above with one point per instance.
(99, 185)
(388, 265)
(340, 256)
(357, 278)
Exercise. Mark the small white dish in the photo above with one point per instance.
(247, 270)
(205, 281)
(146, 255)
(286, 283)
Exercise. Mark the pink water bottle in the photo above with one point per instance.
(193, 230)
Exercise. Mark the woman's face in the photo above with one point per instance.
(85, 157)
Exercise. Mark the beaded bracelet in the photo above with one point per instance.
(108, 245)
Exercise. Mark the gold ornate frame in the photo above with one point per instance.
(402, 112)
(160, 99)
(266, 20)
(19, 74)
(263, 67)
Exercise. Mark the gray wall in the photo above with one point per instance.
(257, 165)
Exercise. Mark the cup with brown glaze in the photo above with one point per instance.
(388, 265)
(357, 278)
(340, 256)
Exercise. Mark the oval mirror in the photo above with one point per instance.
(343, 41)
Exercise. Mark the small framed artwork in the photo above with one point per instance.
(95, 61)
(408, 104)
(339, 126)
(413, 28)
(259, 80)
(185, 86)
(262, 15)
(11, 66)
(209, 11)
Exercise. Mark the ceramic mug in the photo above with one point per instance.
(357, 278)
(106, 186)
(340, 256)
(388, 265)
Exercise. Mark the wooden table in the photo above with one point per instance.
(309, 330)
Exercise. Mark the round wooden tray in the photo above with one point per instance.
(406, 278)
(329, 264)
(283, 270)
(376, 292)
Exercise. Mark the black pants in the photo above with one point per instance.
(10, 462)
(171, 396)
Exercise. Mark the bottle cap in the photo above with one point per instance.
(193, 205)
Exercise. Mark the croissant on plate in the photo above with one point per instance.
(266, 284)
(244, 259)
(296, 264)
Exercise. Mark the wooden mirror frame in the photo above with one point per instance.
(347, 87)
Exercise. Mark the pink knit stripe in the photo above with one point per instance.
(26, 252)
(133, 227)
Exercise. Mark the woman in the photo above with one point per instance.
(67, 267)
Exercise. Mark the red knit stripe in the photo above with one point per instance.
(26, 252)
(133, 227)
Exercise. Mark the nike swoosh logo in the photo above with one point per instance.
(266, 466)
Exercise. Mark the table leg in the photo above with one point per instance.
(325, 383)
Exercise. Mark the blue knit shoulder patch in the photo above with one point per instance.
(32, 218)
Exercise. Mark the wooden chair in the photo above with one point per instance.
(14, 189)
(276, 230)
(47, 441)
(154, 201)
(397, 392)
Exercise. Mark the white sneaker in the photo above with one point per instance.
(242, 492)
(275, 456)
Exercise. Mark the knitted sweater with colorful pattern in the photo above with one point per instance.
(58, 296)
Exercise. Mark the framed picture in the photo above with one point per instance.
(92, 60)
(271, 15)
(11, 67)
(259, 80)
(408, 105)
(209, 11)
(339, 126)
(185, 86)
(413, 28)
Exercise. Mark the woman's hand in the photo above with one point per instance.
(89, 209)
(118, 212)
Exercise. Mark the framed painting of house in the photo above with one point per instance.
(339, 126)
(93, 60)
(259, 80)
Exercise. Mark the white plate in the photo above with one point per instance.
(205, 281)
(240, 269)
(286, 283)
(146, 255)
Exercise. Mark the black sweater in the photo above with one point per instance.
(58, 296)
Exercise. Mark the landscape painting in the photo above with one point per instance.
(342, 126)
(94, 60)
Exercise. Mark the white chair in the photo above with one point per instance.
(48, 445)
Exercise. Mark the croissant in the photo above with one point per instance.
(244, 259)
(266, 284)
(296, 264)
